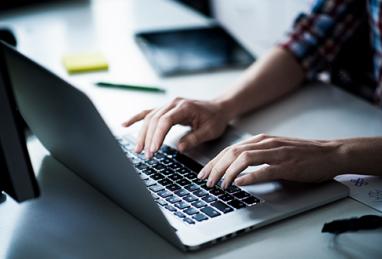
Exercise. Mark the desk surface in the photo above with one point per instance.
(71, 219)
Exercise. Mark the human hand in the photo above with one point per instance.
(207, 119)
(287, 159)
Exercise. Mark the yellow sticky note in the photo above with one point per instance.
(76, 63)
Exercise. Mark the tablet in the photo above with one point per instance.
(191, 50)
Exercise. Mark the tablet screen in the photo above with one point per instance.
(190, 50)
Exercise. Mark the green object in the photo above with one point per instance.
(132, 87)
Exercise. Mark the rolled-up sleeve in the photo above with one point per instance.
(317, 36)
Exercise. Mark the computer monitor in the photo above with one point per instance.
(17, 178)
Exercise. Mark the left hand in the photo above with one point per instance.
(287, 158)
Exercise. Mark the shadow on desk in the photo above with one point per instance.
(73, 220)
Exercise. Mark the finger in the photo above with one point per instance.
(256, 138)
(251, 158)
(142, 133)
(268, 173)
(172, 117)
(152, 128)
(203, 174)
(220, 167)
(136, 118)
(194, 138)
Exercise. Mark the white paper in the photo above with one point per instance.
(364, 188)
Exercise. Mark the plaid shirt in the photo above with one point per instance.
(344, 39)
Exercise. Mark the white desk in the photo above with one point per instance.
(72, 220)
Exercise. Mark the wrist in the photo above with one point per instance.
(344, 157)
(227, 107)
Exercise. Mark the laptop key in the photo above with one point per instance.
(182, 205)
(143, 177)
(173, 187)
(191, 187)
(216, 191)
(181, 192)
(221, 206)
(141, 166)
(166, 161)
(199, 181)
(190, 211)
(170, 208)
(159, 156)
(159, 167)
(167, 171)
(232, 189)
(156, 188)
(209, 198)
(149, 182)
(190, 176)
(152, 162)
(200, 217)
(226, 197)
(200, 193)
(148, 171)
(162, 202)
(189, 221)
(157, 177)
(198, 204)
(237, 204)
(180, 214)
(173, 199)
(176, 166)
(183, 171)
(164, 193)
(210, 212)
(250, 200)
(183, 182)
(241, 194)
(205, 187)
(175, 177)
(165, 182)
(190, 198)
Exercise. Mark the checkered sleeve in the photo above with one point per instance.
(318, 35)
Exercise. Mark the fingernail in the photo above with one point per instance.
(200, 175)
(210, 183)
(138, 149)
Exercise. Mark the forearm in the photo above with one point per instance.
(361, 155)
(271, 77)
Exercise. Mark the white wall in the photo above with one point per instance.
(274, 16)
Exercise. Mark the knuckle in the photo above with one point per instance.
(235, 151)
(176, 100)
(184, 103)
(245, 157)
(262, 136)
(163, 122)
(168, 119)
(215, 172)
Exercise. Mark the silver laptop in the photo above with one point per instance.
(163, 192)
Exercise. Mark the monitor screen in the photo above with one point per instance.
(17, 178)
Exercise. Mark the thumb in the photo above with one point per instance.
(194, 138)
(263, 174)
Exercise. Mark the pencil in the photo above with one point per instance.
(142, 88)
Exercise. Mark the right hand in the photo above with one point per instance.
(207, 119)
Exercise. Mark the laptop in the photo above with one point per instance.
(164, 192)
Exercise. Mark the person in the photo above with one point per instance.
(330, 41)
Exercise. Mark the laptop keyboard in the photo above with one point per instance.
(172, 180)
